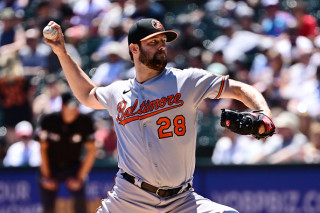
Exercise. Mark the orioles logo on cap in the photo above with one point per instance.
(156, 24)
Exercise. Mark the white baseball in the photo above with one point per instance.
(50, 32)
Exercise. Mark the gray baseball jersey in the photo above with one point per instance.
(156, 122)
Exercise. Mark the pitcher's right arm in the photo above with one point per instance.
(81, 85)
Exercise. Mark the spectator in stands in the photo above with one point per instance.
(16, 5)
(26, 151)
(49, 100)
(311, 102)
(114, 68)
(282, 147)
(106, 139)
(232, 148)
(230, 42)
(44, 13)
(306, 23)
(34, 55)
(245, 18)
(189, 38)
(275, 22)
(194, 58)
(217, 64)
(148, 9)
(301, 74)
(62, 11)
(115, 16)
(66, 133)
(114, 33)
(260, 59)
(268, 80)
(16, 94)
(310, 152)
(11, 33)
(46, 10)
(85, 11)
(73, 36)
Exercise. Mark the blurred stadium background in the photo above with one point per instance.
(270, 44)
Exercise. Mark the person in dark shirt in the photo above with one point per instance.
(62, 136)
(16, 95)
(12, 36)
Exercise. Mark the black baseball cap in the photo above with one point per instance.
(69, 100)
(147, 28)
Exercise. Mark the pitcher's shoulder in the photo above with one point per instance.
(178, 71)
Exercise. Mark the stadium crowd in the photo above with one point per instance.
(270, 44)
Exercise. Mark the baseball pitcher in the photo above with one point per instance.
(155, 118)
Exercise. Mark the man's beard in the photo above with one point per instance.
(158, 62)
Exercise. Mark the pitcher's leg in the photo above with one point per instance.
(126, 197)
(194, 203)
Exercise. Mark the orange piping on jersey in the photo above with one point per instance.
(221, 87)
(95, 94)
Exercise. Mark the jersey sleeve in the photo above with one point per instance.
(108, 95)
(103, 95)
(206, 84)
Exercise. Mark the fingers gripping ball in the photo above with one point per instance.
(50, 33)
(247, 123)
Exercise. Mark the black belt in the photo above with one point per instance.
(160, 192)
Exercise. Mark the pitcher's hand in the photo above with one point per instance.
(58, 44)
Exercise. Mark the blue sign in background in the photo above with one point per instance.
(249, 189)
(264, 189)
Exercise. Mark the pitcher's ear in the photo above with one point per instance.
(134, 48)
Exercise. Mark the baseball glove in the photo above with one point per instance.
(247, 123)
